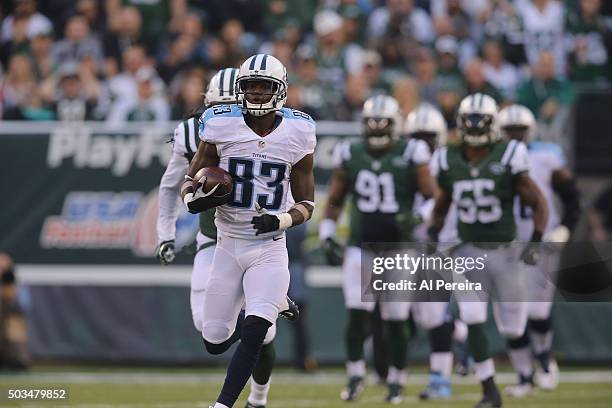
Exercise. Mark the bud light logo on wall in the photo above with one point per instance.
(112, 220)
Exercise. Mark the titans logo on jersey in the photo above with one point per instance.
(260, 166)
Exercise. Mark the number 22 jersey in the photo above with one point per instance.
(260, 166)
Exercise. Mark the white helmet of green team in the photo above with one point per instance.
(267, 68)
(381, 120)
(517, 116)
(477, 120)
(221, 88)
(426, 120)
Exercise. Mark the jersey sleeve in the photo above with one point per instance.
(421, 154)
(341, 154)
(305, 139)
(556, 158)
(519, 162)
(439, 168)
(212, 126)
(168, 196)
(185, 137)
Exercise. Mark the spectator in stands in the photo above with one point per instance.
(149, 106)
(589, 40)
(425, 72)
(238, 42)
(190, 96)
(406, 92)
(281, 13)
(123, 85)
(545, 94)
(499, 72)
(18, 85)
(70, 98)
(90, 10)
(400, 17)
(449, 74)
(35, 22)
(124, 31)
(306, 92)
(77, 43)
(40, 54)
(18, 43)
(371, 67)
(448, 99)
(356, 92)
(178, 56)
(543, 25)
(14, 353)
(502, 22)
(475, 80)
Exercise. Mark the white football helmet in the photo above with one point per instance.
(221, 87)
(262, 67)
(477, 120)
(428, 124)
(517, 122)
(382, 121)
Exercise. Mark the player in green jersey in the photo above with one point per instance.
(481, 176)
(381, 173)
(185, 143)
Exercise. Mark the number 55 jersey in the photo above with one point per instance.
(483, 192)
(260, 166)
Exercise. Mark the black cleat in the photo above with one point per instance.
(491, 397)
(353, 389)
(395, 394)
(249, 405)
(292, 312)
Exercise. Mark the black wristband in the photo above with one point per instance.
(536, 236)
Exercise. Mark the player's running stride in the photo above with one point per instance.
(220, 91)
(262, 145)
(382, 173)
(482, 176)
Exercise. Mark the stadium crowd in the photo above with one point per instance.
(124, 60)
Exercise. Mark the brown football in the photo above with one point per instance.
(214, 176)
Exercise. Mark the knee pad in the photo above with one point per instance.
(270, 335)
(215, 333)
(254, 331)
(541, 326)
(519, 343)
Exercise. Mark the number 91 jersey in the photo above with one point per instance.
(260, 166)
(382, 189)
(483, 192)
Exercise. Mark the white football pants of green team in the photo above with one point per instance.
(503, 284)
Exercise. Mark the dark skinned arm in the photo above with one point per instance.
(425, 182)
(302, 188)
(564, 184)
(338, 190)
(443, 203)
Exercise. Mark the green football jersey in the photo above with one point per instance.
(483, 192)
(382, 189)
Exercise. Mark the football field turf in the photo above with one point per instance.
(169, 388)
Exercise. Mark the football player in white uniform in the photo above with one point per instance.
(427, 123)
(220, 91)
(549, 171)
(381, 173)
(482, 176)
(262, 145)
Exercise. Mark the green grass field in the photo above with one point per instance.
(170, 388)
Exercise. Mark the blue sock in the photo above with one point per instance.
(245, 357)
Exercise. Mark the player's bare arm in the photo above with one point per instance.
(531, 195)
(338, 190)
(564, 184)
(302, 188)
(425, 182)
(443, 203)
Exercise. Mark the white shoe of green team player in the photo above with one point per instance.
(548, 381)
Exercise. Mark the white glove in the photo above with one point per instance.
(560, 234)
